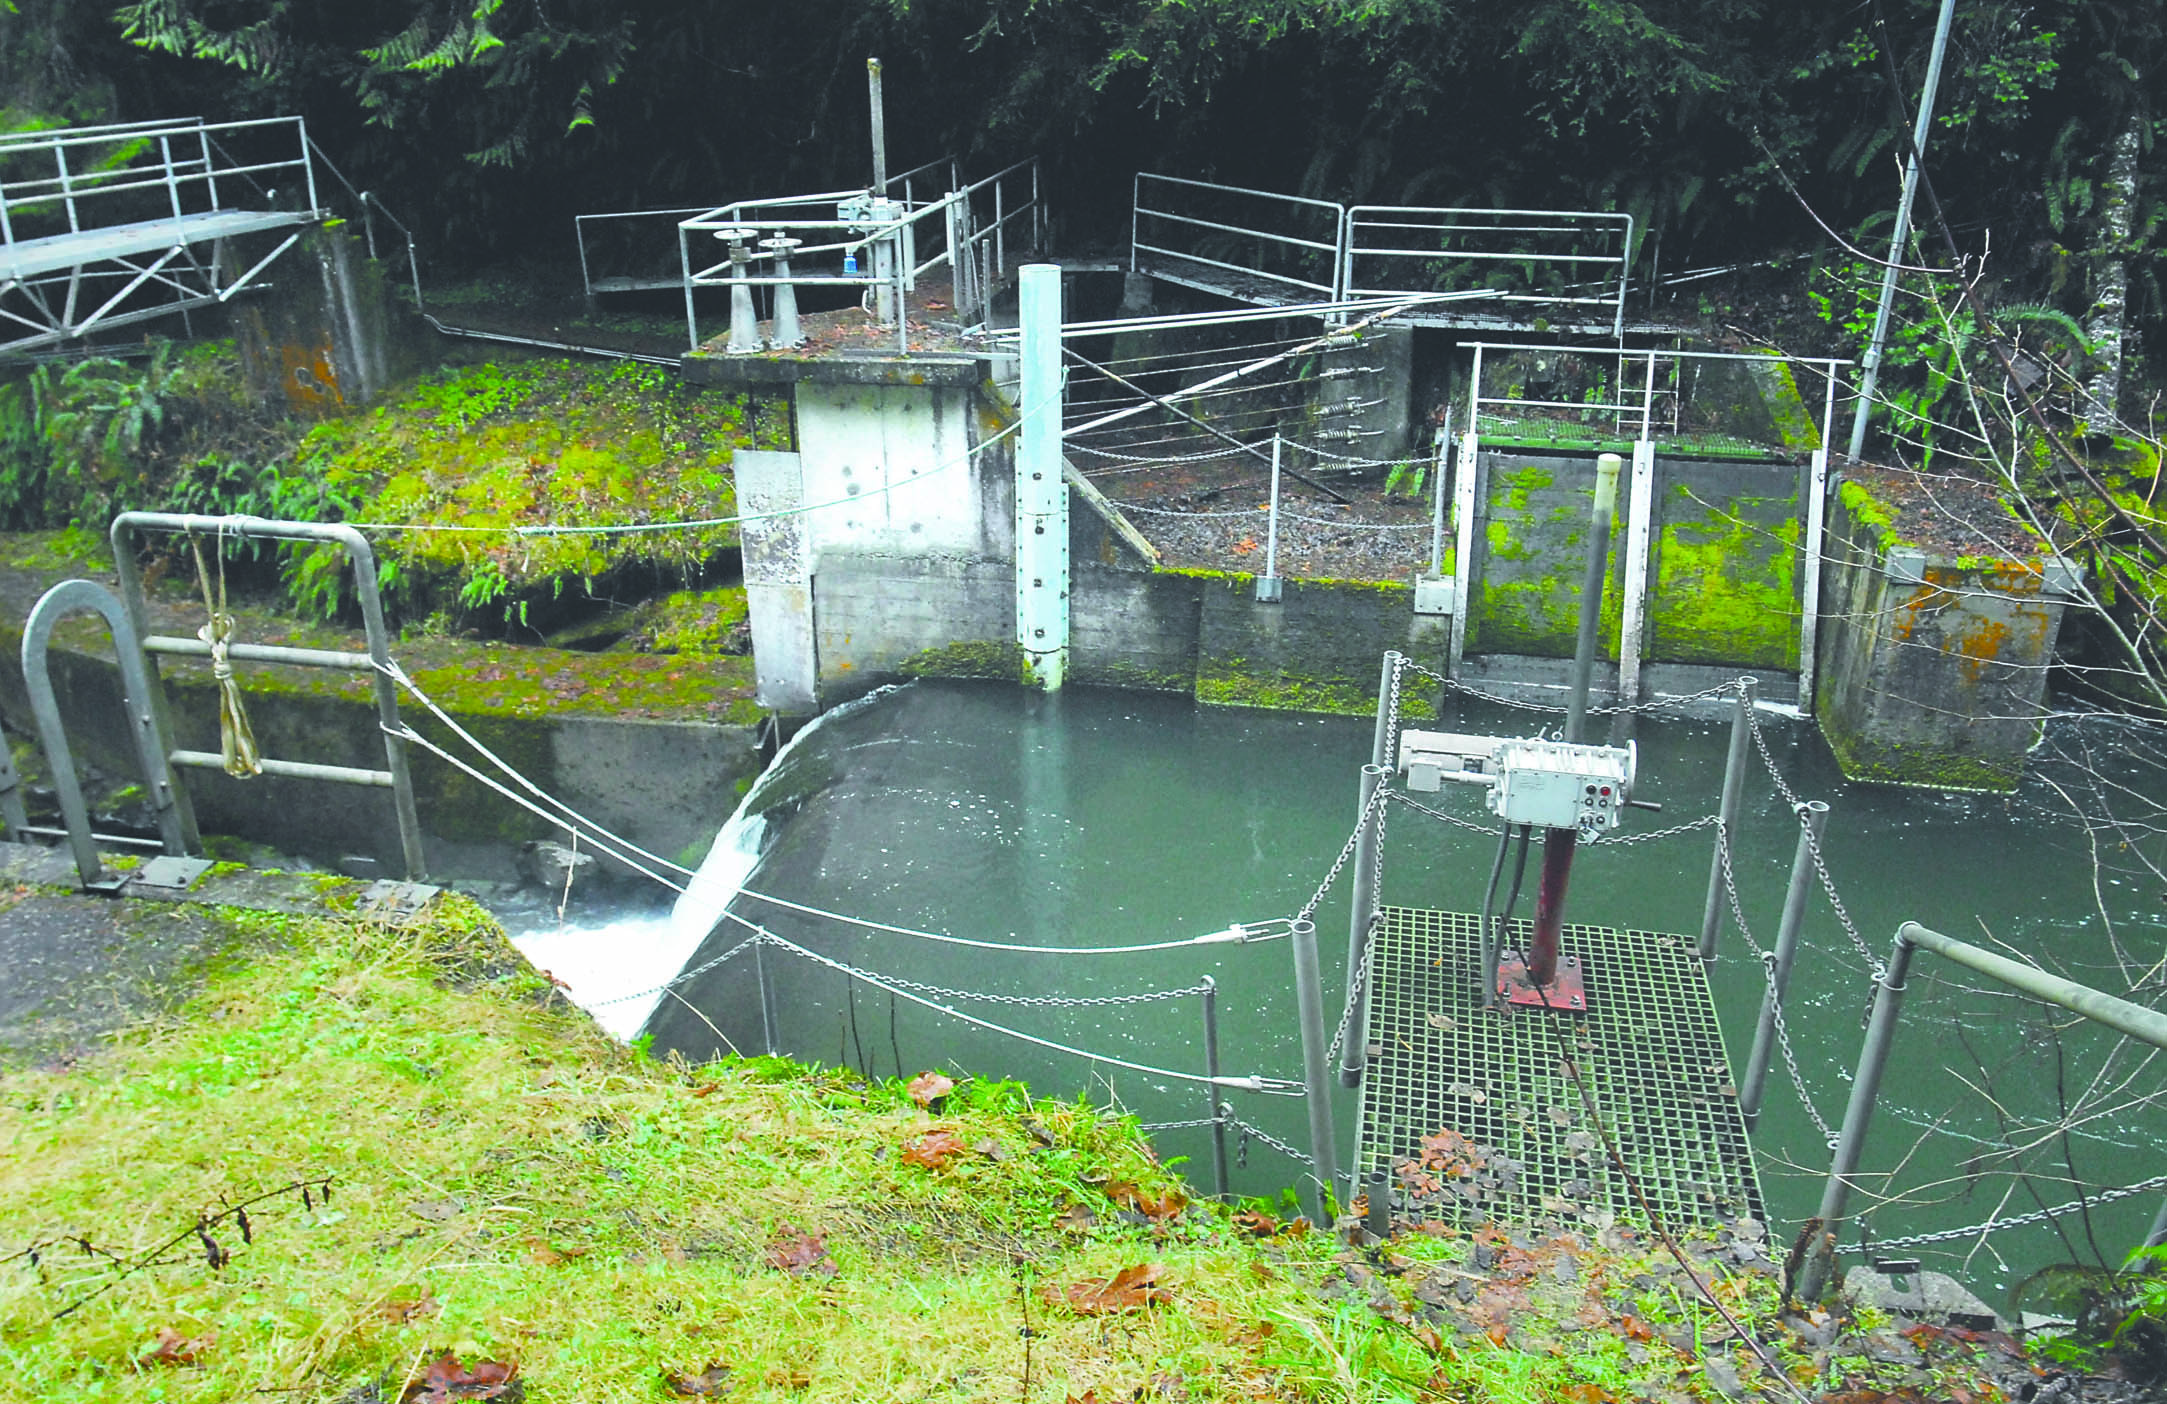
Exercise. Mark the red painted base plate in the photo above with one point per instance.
(1568, 992)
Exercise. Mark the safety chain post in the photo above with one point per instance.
(1812, 818)
(1362, 918)
(1042, 566)
(1820, 1265)
(1211, 1091)
(1734, 784)
(767, 999)
(1309, 1004)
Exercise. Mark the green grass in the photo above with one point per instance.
(509, 1184)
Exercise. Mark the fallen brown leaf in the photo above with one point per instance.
(934, 1150)
(1131, 1289)
(174, 1349)
(794, 1251)
(1076, 1217)
(713, 1381)
(929, 1087)
(402, 1310)
(1152, 1204)
(1256, 1223)
(447, 1380)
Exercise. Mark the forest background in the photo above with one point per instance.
(1716, 123)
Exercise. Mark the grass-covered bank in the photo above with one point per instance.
(509, 1186)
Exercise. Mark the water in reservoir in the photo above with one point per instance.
(1096, 819)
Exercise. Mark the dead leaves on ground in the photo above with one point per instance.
(1131, 1289)
(929, 1087)
(713, 1382)
(446, 1380)
(174, 1349)
(1156, 1205)
(935, 1150)
(799, 1253)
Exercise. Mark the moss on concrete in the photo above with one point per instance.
(1725, 591)
(991, 660)
(1132, 677)
(693, 621)
(1881, 763)
(1232, 681)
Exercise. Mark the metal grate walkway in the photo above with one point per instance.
(1650, 1048)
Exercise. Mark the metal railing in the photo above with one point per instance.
(2124, 1017)
(1566, 261)
(1277, 245)
(176, 167)
(1265, 247)
(883, 245)
(99, 225)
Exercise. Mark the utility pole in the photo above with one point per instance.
(1870, 368)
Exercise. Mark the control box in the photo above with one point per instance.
(1550, 784)
(1554, 785)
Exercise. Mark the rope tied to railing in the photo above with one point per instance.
(236, 738)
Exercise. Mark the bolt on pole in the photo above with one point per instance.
(1734, 784)
(1316, 1077)
(1812, 816)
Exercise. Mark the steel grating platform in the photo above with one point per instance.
(1649, 1047)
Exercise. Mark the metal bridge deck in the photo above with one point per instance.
(30, 258)
(1649, 1047)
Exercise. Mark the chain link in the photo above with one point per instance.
(2108, 1196)
(1820, 860)
(1768, 972)
(1034, 1001)
(1346, 853)
(673, 983)
(1657, 704)
(1354, 993)
(1249, 1132)
(1178, 1125)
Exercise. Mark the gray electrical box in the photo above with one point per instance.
(1559, 786)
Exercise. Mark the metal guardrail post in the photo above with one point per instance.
(1812, 815)
(12, 814)
(136, 693)
(1361, 918)
(1734, 782)
(1379, 1219)
(1316, 1079)
(1211, 1091)
(1594, 576)
(1820, 1264)
(395, 774)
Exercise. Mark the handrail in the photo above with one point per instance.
(395, 775)
(2124, 1017)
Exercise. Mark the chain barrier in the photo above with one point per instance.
(1250, 1133)
(1178, 1125)
(1346, 853)
(1820, 860)
(1045, 1001)
(745, 945)
(1768, 973)
(1074, 446)
(1605, 840)
(2107, 1196)
(1658, 704)
(1359, 983)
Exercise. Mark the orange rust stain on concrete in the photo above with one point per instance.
(307, 375)
(1980, 645)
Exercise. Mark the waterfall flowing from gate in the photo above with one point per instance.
(613, 968)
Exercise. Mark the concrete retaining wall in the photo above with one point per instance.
(1933, 671)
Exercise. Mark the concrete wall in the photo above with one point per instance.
(335, 330)
(664, 785)
(1933, 672)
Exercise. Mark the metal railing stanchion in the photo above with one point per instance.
(1734, 780)
(1812, 815)
(1212, 1106)
(1309, 1001)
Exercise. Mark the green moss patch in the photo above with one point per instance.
(1725, 589)
(989, 660)
(482, 450)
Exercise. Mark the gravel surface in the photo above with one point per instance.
(1211, 516)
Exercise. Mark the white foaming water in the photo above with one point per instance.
(614, 969)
